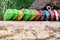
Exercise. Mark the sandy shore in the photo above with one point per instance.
(29, 30)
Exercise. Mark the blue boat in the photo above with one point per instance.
(47, 15)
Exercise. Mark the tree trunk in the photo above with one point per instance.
(39, 4)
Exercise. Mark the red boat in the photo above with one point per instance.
(59, 14)
(38, 15)
(52, 15)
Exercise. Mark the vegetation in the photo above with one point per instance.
(19, 4)
(2, 2)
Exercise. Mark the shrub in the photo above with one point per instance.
(19, 4)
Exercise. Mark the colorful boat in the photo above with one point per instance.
(52, 15)
(42, 16)
(33, 15)
(20, 15)
(47, 15)
(15, 12)
(27, 14)
(57, 15)
(8, 14)
(38, 15)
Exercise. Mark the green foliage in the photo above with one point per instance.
(19, 4)
(2, 2)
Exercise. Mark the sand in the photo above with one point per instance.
(29, 30)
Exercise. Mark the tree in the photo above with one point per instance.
(2, 2)
(19, 4)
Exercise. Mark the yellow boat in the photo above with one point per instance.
(20, 15)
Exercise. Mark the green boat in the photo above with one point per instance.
(8, 14)
(33, 15)
(27, 14)
(15, 12)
